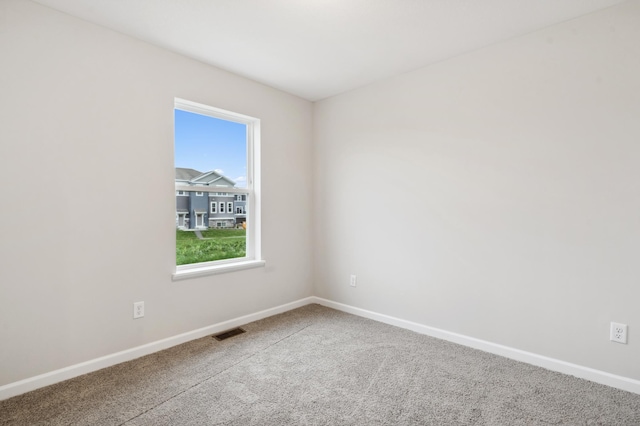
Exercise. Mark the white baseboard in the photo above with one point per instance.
(46, 379)
(602, 377)
(32, 383)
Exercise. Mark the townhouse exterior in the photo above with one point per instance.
(201, 210)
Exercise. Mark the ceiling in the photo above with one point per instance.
(319, 48)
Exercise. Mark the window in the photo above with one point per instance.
(181, 193)
(215, 150)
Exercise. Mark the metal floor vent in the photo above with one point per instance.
(229, 333)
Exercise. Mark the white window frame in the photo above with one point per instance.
(212, 209)
(229, 207)
(253, 258)
(199, 194)
(221, 207)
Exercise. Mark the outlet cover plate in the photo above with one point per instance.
(138, 310)
(618, 332)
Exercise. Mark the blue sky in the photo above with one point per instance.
(206, 143)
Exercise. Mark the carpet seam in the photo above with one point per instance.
(373, 379)
(213, 376)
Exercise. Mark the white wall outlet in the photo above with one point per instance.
(352, 282)
(618, 332)
(138, 310)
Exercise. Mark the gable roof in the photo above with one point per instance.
(186, 174)
(194, 177)
(213, 178)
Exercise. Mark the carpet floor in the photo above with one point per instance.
(318, 366)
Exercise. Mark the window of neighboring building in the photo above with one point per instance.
(215, 150)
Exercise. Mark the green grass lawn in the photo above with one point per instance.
(223, 244)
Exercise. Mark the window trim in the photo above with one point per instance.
(253, 258)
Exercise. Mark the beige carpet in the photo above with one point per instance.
(318, 366)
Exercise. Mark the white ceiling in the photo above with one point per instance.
(319, 48)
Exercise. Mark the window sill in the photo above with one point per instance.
(216, 269)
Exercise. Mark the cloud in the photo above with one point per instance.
(219, 171)
(241, 179)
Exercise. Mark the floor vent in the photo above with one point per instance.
(229, 333)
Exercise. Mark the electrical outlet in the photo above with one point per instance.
(138, 310)
(352, 283)
(618, 332)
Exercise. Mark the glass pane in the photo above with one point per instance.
(205, 236)
(209, 152)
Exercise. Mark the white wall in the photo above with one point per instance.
(87, 228)
(495, 195)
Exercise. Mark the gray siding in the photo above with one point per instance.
(226, 199)
(182, 203)
(198, 203)
(192, 203)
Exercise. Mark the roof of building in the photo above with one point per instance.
(212, 177)
(186, 174)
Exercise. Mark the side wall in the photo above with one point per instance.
(88, 218)
(495, 195)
